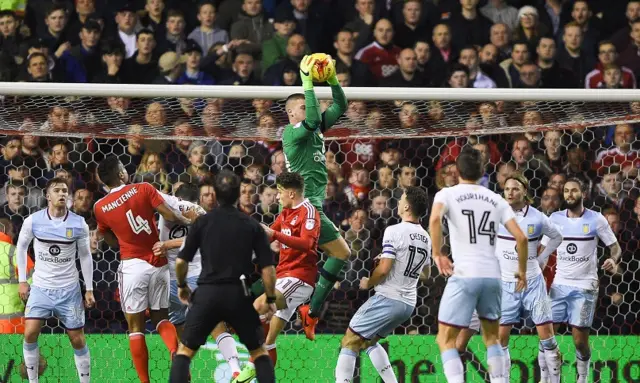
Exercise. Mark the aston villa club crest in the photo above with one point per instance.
(294, 220)
(531, 229)
(69, 233)
(585, 228)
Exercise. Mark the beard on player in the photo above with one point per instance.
(573, 203)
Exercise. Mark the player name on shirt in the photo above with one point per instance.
(420, 237)
(120, 200)
(476, 196)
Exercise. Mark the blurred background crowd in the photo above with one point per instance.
(385, 43)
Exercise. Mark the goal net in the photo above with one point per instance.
(388, 139)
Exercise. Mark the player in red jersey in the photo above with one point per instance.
(297, 229)
(126, 218)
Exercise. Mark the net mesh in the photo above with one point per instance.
(376, 149)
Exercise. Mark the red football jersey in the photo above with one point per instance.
(298, 230)
(549, 271)
(128, 211)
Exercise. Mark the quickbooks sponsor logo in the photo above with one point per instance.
(415, 358)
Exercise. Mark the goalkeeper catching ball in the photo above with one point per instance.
(303, 146)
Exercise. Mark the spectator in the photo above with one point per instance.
(14, 209)
(18, 174)
(557, 181)
(530, 76)
(360, 74)
(151, 170)
(381, 55)
(498, 11)
(581, 14)
(458, 76)
(198, 171)
(171, 67)
(83, 203)
(622, 153)
(512, 66)
(247, 200)
(578, 166)
(173, 39)
(82, 63)
(607, 55)
(275, 48)
(553, 150)
(10, 38)
(11, 148)
(267, 209)
(37, 68)
(529, 164)
(488, 64)
(193, 74)
(550, 201)
(609, 191)
(359, 185)
(551, 74)
(550, 13)
(252, 26)
(153, 19)
(499, 36)
(142, 67)
(310, 22)
(622, 38)
(572, 57)
(477, 79)
(56, 21)
(128, 27)
(113, 54)
(469, 27)
(243, 71)
(504, 170)
(410, 31)
(629, 55)
(207, 35)
(407, 75)
(295, 51)
(529, 28)
(363, 23)
(207, 197)
(254, 173)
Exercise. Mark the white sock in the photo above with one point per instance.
(453, 369)
(507, 362)
(227, 346)
(542, 362)
(380, 360)
(346, 366)
(496, 363)
(31, 360)
(583, 363)
(83, 364)
(552, 358)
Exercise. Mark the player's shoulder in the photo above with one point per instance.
(532, 212)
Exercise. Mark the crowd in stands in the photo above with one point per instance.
(386, 43)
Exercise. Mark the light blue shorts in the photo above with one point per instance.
(534, 301)
(462, 295)
(178, 310)
(65, 304)
(379, 316)
(573, 305)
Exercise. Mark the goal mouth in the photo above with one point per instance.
(258, 113)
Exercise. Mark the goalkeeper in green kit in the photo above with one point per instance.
(303, 146)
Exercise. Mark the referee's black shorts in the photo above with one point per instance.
(212, 304)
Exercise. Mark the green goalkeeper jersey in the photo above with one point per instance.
(303, 143)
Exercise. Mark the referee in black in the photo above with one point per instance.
(227, 239)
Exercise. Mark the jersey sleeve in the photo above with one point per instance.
(337, 108)
(441, 197)
(309, 222)
(154, 196)
(551, 240)
(171, 201)
(102, 226)
(604, 231)
(390, 245)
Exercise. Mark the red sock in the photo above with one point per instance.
(140, 355)
(168, 334)
(273, 353)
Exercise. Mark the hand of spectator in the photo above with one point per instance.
(609, 265)
(63, 48)
(159, 249)
(23, 291)
(89, 299)
(112, 64)
(24, 31)
(236, 43)
(364, 283)
(267, 230)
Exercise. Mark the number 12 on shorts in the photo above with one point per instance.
(137, 223)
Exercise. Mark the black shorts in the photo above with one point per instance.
(212, 304)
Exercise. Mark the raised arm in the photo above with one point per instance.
(312, 106)
(338, 107)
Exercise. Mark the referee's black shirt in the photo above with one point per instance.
(227, 239)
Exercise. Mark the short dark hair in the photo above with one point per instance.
(293, 97)
(227, 187)
(55, 181)
(188, 192)
(417, 199)
(581, 185)
(144, 31)
(207, 2)
(175, 13)
(8, 13)
(109, 170)
(469, 164)
(290, 180)
(56, 7)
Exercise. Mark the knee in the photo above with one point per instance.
(77, 341)
(582, 346)
(31, 336)
(352, 341)
(445, 341)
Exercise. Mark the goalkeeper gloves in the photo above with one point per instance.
(305, 71)
(333, 79)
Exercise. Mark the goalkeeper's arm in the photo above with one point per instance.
(312, 107)
(337, 108)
